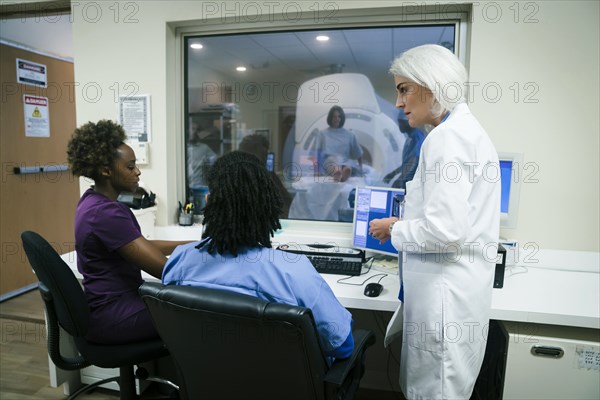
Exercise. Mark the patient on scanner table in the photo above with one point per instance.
(327, 167)
(328, 194)
(337, 151)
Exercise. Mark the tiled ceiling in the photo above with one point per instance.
(278, 55)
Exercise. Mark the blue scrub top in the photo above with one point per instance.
(272, 275)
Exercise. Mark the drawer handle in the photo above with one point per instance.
(547, 351)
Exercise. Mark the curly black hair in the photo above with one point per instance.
(243, 207)
(93, 146)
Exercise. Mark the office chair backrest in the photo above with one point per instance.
(227, 345)
(58, 284)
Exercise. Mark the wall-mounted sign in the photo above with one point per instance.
(134, 117)
(30, 73)
(37, 117)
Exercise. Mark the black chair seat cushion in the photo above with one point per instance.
(113, 356)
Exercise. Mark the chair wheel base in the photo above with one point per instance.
(91, 386)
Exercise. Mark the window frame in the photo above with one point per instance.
(438, 14)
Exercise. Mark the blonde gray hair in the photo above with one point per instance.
(437, 69)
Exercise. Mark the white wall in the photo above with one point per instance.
(549, 51)
(558, 57)
(50, 34)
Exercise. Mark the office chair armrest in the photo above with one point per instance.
(340, 369)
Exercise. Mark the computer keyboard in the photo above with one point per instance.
(329, 259)
(335, 265)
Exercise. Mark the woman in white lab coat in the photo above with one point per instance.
(449, 232)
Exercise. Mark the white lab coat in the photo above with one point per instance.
(449, 237)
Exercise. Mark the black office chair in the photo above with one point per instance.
(227, 345)
(67, 307)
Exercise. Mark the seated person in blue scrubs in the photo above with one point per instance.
(235, 253)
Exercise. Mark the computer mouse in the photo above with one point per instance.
(373, 289)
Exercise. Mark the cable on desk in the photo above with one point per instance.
(370, 265)
(341, 280)
(522, 270)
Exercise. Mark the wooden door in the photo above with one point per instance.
(43, 202)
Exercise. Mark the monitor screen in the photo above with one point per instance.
(381, 202)
(371, 203)
(510, 164)
(505, 178)
(270, 164)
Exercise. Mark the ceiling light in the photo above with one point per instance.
(241, 69)
(322, 38)
(196, 46)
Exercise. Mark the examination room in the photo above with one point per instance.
(300, 199)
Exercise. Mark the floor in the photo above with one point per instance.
(24, 358)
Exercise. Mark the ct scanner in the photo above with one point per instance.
(376, 131)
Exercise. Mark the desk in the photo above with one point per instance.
(547, 287)
(349, 295)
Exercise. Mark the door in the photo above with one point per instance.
(45, 201)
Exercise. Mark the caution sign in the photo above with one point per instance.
(37, 117)
(31, 73)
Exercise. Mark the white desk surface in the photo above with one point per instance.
(548, 287)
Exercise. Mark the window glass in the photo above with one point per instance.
(320, 113)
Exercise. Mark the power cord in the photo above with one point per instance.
(342, 281)
(516, 270)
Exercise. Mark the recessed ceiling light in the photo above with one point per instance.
(322, 38)
(240, 68)
(196, 46)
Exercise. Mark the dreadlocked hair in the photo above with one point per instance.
(93, 146)
(243, 207)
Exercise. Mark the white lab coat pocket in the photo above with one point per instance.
(423, 316)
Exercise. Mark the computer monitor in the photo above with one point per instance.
(270, 163)
(370, 203)
(510, 166)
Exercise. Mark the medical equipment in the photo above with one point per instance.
(511, 164)
(372, 203)
(377, 132)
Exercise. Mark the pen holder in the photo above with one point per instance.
(186, 219)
